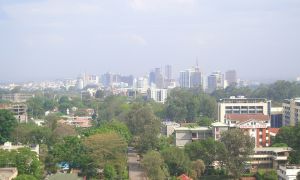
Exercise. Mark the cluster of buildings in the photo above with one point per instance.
(255, 117)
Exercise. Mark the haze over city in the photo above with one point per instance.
(42, 39)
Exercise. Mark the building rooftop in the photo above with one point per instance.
(198, 128)
(274, 149)
(219, 124)
(8, 173)
(247, 117)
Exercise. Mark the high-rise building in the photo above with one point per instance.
(215, 81)
(107, 79)
(291, 112)
(231, 77)
(191, 78)
(156, 78)
(242, 105)
(168, 72)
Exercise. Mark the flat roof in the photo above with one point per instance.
(219, 124)
(274, 149)
(198, 128)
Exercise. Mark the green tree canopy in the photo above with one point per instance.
(7, 124)
(154, 165)
(238, 147)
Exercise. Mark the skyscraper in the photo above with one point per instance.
(215, 81)
(191, 78)
(168, 72)
(231, 77)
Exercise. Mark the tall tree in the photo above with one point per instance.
(176, 160)
(7, 124)
(238, 148)
(154, 165)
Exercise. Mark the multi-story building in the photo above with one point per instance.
(168, 72)
(231, 77)
(158, 95)
(17, 97)
(217, 129)
(184, 135)
(141, 85)
(288, 172)
(257, 126)
(156, 78)
(291, 112)
(242, 105)
(269, 158)
(19, 110)
(276, 117)
(215, 81)
(190, 78)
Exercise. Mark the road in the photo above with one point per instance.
(135, 170)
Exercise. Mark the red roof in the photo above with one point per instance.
(247, 117)
(274, 130)
(184, 177)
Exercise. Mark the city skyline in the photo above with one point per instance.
(46, 40)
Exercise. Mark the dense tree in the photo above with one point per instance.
(199, 167)
(70, 150)
(107, 148)
(291, 137)
(187, 105)
(208, 150)
(25, 177)
(154, 165)
(109, 172)
(114, 126)
(238, 148)
(176, 160)
(7, 124)
(145, 125)
(23, 159)
(38, 105)
(31, 133)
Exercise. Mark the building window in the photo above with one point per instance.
(194, 135)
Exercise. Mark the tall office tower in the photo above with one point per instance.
(215, 81)
(231, 77)
(242, 105)
(190, 78)
(156, 77)
(159, 78)
(185, 78)
(107, 79)
(168, 72)
(291, 109)
(197, 77)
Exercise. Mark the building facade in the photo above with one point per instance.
(288, 172)
(242, 105)
(158, 95)
(190, 78)
(19, 111)
(291, 112)
(276, 117)
(257, 126)
(184, 135)
(215, 81)
(17, 97)
(231, 77)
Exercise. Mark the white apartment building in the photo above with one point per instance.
(288, 172)
(291, 112)
(184, 135)
(158, 95)
(242, 105)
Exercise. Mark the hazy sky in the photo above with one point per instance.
(48, 39)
